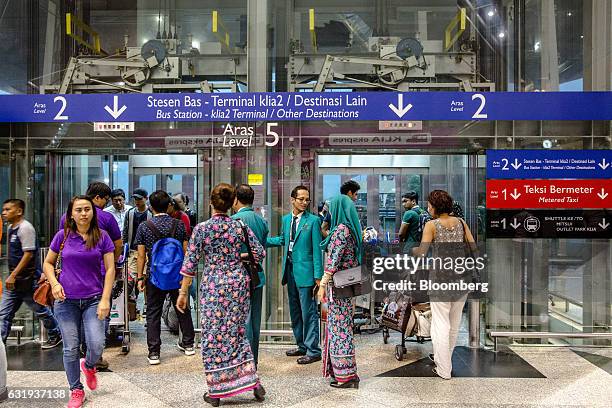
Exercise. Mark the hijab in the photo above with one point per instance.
(342, 211)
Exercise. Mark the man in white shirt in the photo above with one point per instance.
(118, 208)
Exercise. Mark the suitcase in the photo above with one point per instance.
(402, 315)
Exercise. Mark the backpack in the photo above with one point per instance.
(424, 216)
(166, 259)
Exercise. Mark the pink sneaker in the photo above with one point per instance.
(90, 375)
(77, 397)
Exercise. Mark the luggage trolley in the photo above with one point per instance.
(120, 318)
(409, 318)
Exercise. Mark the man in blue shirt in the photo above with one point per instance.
(25, 271)
(243, 210)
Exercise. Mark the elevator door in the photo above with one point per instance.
(173, 180)
(379, 200)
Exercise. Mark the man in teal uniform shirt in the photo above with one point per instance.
(302, 270)
(411, 221)
(243, 210)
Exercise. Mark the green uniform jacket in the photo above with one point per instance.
(307, 259)
(259, 226)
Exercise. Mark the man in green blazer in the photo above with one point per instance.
(243, 210)
(302, 271)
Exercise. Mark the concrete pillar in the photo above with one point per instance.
(422, 24)
(52, 12)
(548, 47)
(257, 47)
(597, 59)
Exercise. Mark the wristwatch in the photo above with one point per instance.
(140, 279)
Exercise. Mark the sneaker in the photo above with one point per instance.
(188, 350)
(51, 342)
(77, 397)
(153, 358)
(90, 375)
(102, 364)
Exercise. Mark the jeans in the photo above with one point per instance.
(72, 315)
(155, 306)
(11, 302)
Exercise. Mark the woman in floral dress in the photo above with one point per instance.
(344, 248)
(226, 353)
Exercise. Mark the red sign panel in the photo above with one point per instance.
(549, 194)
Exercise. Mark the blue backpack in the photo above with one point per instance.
(166, 259)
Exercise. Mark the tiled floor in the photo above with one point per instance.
(521, 377)
(472, 363)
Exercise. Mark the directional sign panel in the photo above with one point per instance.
(303, 106)
(591, 224)
(549, 193)
(549, 164)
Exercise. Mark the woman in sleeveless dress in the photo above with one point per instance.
(446, 306)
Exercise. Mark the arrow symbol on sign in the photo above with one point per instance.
(115, 112)
(515, 224)
(603, 194)
(603, 164)
(400, 110)
(603, 224)
(515, 194)
(516, 164)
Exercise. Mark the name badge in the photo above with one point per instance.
(291, 246)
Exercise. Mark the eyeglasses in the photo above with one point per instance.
(303, 200)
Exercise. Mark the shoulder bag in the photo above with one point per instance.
(352, 282)
(43, 295)
(251, 265)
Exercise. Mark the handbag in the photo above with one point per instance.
(251, 265)
(352, 282)
(43, 295)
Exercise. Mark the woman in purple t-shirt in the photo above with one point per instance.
(82, 292)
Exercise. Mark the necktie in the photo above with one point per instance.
(293, 228)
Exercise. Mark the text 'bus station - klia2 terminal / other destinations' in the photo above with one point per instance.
(306, 203)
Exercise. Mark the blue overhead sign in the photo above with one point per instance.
(302, 106)
(549, 164)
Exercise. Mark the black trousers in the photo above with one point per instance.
(155, 305)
